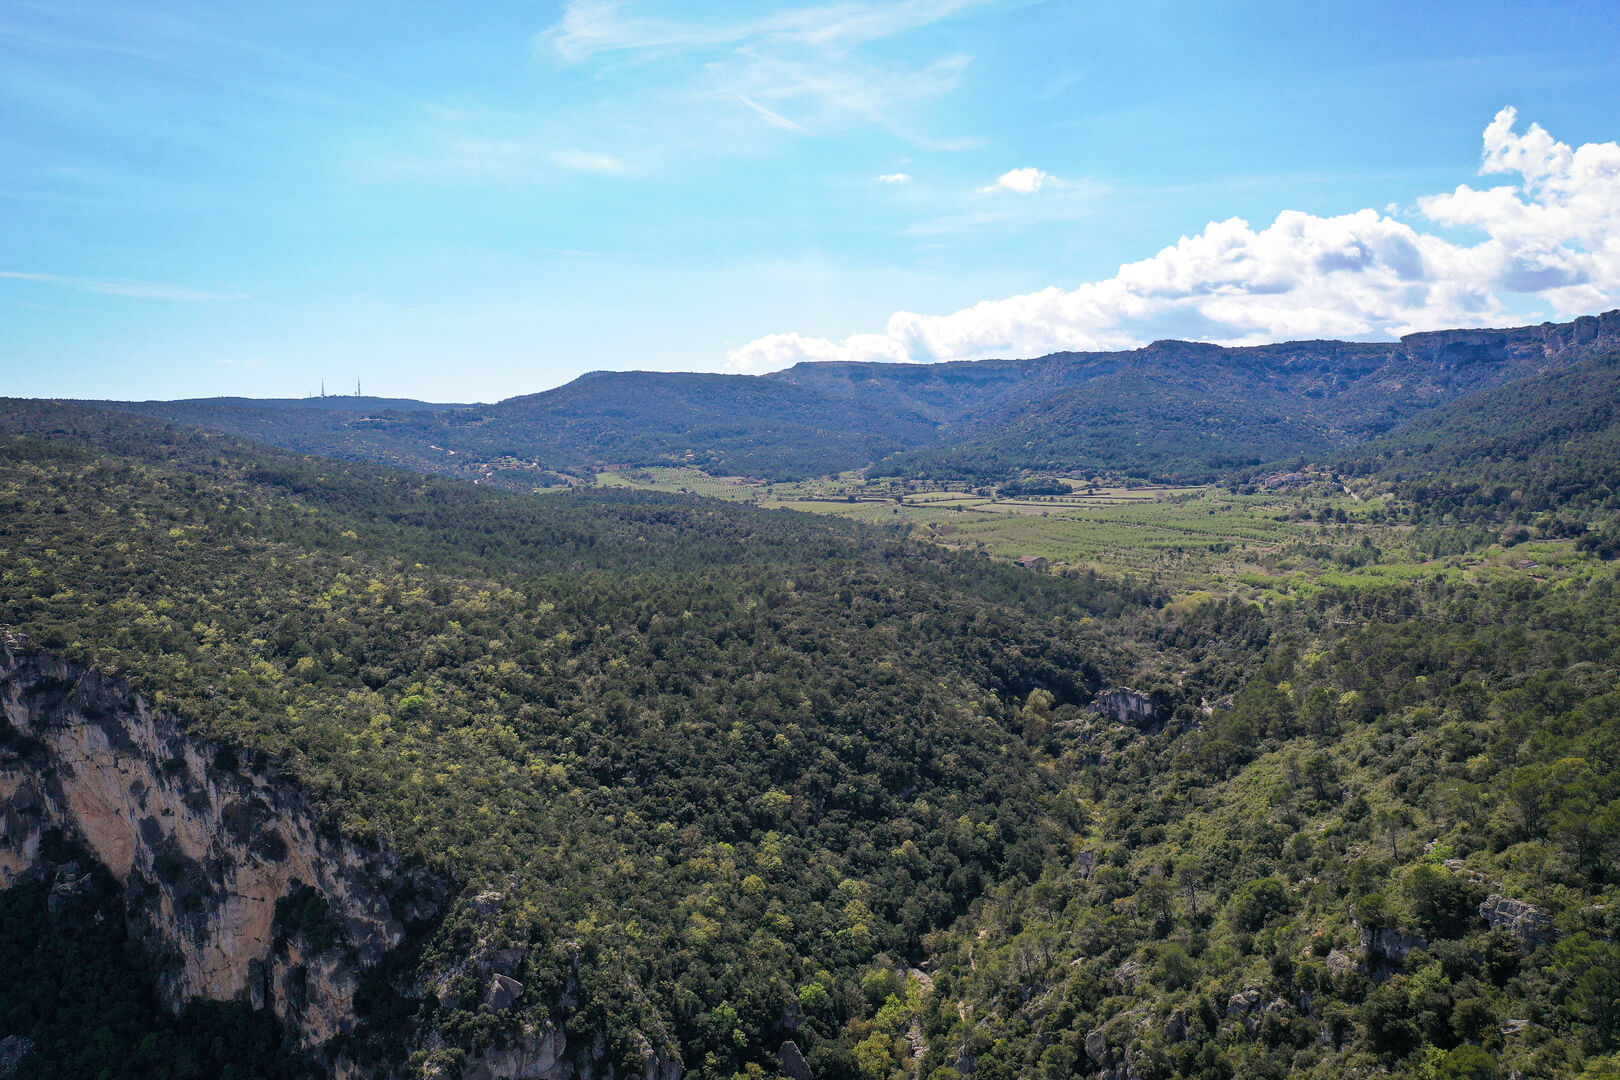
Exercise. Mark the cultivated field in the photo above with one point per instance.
(1269, 547)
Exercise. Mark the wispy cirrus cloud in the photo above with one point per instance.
(775, 119)
(807, 61)
(1552, 238)
(893, 178)
(591, 27)
(585, 161)
(448, 148)
(140, 290)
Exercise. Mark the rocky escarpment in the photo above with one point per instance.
(1546, 341)
(227, 879)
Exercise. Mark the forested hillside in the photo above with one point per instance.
(689, 741)
(1173, 411)
(1178, 412)
(742, 778)
(1545, 445)
(1395, 852)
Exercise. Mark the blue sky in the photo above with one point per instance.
(465, 204)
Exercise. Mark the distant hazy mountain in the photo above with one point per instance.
(334, 402)
(1171, 410)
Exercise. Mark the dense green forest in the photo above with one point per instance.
(745, 775)
(1547, 446)
(1182, 425)
(694, 737)
(1395, 850)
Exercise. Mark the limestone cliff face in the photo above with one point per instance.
(227, 880)
(1548, 341)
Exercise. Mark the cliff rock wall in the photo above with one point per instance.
(227, 879)
(1569, 341)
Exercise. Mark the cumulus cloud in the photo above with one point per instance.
(1553, 237)
(893, 178)
(1025, 181)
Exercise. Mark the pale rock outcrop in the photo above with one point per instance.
(1128, 975)
(203, 847)
(1243, 1002)
(1530, 924)
(1390, 943)
(536, 1056)
(1125, 706)
(503, 990)
(1097, 1046)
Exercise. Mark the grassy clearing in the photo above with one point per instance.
(1267, 547)
(683, 480)
(1186, 537)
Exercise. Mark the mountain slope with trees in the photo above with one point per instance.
(1170, 411)
(1393, 853)
(748, 777)
(1548, 444)
(688, 741)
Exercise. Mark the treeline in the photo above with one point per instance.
(1015, 489)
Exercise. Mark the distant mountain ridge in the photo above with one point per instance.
(1172, 410)
(333, 402)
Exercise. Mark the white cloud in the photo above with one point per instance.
(893, 178)
(1554, 237)
(140, 290)
(1024, 181)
